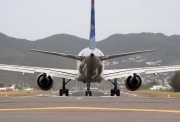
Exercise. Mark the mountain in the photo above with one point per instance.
(167, 47)
(16, 52)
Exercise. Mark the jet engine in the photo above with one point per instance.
(133, 83)
(45, 82)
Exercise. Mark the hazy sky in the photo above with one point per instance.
(37, 19)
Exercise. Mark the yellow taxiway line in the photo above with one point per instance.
(90, 108)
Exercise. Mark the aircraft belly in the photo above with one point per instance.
(98, 79)
(81, 78)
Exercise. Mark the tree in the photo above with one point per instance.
(148, 85)
(175, 82)
(1, 84)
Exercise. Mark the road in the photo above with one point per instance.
(99, 107)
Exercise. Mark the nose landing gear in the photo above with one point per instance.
(88, 92)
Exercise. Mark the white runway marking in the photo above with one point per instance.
(108, 96)
(79, 98)
(132, 95)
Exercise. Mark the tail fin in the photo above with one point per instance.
(92, 39)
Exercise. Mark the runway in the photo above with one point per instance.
(99, 107)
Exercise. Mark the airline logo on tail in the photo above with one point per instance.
(92, 40)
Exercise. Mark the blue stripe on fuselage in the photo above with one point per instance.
(92, 40)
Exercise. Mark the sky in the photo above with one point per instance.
(37, 19)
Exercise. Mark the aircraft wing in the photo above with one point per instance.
(63, 73)
(118, 73)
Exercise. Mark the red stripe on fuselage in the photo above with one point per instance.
(92, 2)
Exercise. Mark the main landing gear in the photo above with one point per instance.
(88, 92)
(115, 90)
(64, 90)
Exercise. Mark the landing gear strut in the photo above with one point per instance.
(64, 90)
(88, 92)
(115, 90)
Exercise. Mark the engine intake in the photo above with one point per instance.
(45, 82)
(133, 83)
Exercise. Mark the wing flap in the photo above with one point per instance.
(63, 73)
(119, 73)
(150, 70)
(24, 69)
(112, 74)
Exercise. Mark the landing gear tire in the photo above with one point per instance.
(64, 90)
(60, 92)
(88, 93)
(112, 92)
(115, 90)
(118, 92)
(67, 92)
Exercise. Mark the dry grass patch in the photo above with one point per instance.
(156, 93)
(22, 93)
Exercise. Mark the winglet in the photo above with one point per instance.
(92, 39)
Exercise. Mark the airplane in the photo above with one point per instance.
(90, 68)
(3, 89)
(8, 88)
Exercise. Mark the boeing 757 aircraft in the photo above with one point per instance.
(90, 68)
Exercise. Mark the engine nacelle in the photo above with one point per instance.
(45, 82)
(133, 83)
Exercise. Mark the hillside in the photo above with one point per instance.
(16, 51)
(167, 47)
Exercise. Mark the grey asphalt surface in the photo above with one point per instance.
(77, 107)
